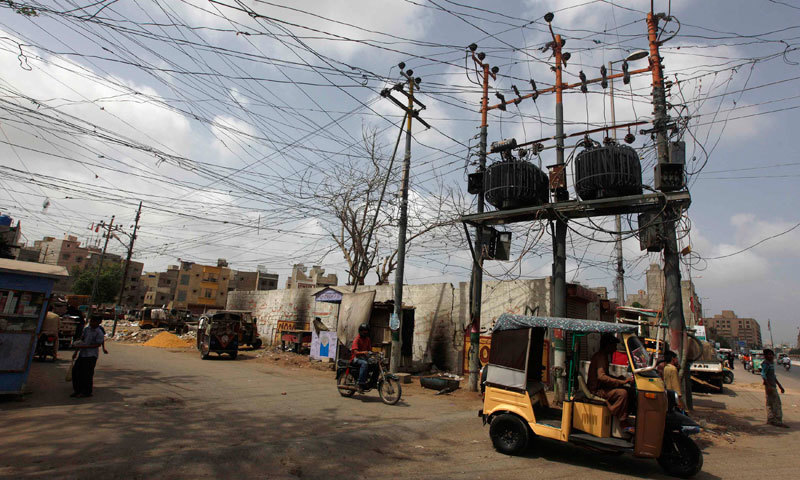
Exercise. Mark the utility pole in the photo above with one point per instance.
(673, 304)
(396, 322)
(560, 234)
(620, 284)
(109, 228)
(477, 265)
(127, 265)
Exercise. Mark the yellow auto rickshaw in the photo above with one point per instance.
(517, 409)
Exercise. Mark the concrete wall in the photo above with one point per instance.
(441, 312)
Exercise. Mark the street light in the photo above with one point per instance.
(637, 55)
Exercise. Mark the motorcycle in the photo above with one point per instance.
(388, 385)
(787, 366)
(46, 346)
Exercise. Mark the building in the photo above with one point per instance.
(202, 287)
(131, 296)
(735, 330)
(314, 279)
(261, 279)
(65, 252)
(653, 297)
(10, 236)
(160, 287)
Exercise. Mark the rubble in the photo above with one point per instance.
(168, 340)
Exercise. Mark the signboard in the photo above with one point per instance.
(700, 332)
(323, 345)
(329, 295)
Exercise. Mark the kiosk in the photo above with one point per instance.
(25, 288)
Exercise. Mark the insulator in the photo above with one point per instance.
(626, 78)
(604, 74)
(582, 76)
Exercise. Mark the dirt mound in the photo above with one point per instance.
(168, 340)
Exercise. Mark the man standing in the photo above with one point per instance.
(87, 350)
(607, 386)
(771, 385)
(671, 379)
(361, 347)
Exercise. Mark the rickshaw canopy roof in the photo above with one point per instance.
(509, 321)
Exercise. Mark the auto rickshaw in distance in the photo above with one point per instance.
(517, 410)
(219, 333)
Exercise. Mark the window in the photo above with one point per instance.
(65, 256)
(184, 279)
(208, 293)
(169, 281)
(181, 295)
(79, 259)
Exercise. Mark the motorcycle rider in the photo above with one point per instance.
(361, 347)
(50, 326)
(787, 362)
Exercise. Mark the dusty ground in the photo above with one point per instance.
(168, 414)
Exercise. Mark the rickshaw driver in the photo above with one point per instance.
(607, 386)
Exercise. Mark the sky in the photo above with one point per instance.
(230, 120)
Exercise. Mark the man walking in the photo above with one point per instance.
(771, 385)
(92, 339)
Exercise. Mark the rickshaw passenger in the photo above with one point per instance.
(607, 386)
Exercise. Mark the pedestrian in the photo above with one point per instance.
(91, 340)
(771, 385)
(671, 377)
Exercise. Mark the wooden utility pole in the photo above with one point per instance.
(127, 265)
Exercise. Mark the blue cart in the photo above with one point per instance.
(25, 288)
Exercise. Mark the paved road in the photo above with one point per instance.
(162, 414)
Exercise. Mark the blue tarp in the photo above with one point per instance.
(508, 321)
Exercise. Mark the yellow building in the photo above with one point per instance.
(202, 287)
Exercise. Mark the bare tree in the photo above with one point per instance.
(361, 194)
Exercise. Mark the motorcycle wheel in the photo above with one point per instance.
(205, 348)
(346, 380)
(680, 456)
(727, 377)
(390, 391)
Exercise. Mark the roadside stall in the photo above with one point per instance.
(24, 290)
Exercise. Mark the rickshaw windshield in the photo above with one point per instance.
(640, 356)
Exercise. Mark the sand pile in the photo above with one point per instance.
(168, 340)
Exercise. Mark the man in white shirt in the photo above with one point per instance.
(87, 350)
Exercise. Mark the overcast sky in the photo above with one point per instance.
(225, 117)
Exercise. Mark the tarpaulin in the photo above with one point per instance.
(354, 310)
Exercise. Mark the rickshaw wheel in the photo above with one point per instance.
(680, 456)
(205, 349)
(234, 355)
(509, 434)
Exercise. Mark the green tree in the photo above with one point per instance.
(107, 285)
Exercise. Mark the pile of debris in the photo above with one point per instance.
(134, 334)
(168, 340)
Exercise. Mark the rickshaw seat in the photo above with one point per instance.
(533, 388)
(587, 396)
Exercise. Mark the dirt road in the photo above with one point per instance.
(168, 414)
